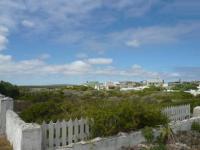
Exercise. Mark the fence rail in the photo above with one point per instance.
(64, 133)
(177, 113)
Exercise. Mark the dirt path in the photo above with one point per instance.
(4, 144)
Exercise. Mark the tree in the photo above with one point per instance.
(8, 89)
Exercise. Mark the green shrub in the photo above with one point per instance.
(195, 126)
(166, 135)
(124, 117)
(8, 89)
(159, 147)
(147, 132)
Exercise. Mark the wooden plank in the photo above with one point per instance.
(76, 137)
(64, 133)
(44, 135)
(51, 134)
(81, 124)
(57, 129)
(70, 130)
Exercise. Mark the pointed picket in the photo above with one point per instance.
(76, 128)
(81, 125)
(70, 131)
(44, 134)
(51, 134)
(177, 113)
(64, 133)
(87, 128)
(57, 129)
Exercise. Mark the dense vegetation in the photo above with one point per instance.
(8, 89)
(185, 86)
(112, 111)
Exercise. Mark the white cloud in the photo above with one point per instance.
(77, 67)
(134, 8)
(28, 23)
(81, 55)
(91, 66)
(3, 37)
(136, 71)
(81, 68)
(67, 16)
(134, 43)
(135, 37)
(3, 42)
(136, 66)
(100, 61)
(5, 58)
(44, 56)
(183, 7)
(39, 67)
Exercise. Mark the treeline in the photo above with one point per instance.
(8, 89)
(185, 86)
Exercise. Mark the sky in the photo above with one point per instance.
(65, 41)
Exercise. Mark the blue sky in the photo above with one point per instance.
(64, 41)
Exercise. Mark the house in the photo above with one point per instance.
(194, 92)
(155, 82)
(99, 86)
(129, 84)
(139, 88)
(111, 85)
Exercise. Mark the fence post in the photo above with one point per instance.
(6, 103)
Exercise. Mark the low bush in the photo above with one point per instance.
(195, 126)
(147, 132)
(159, 147)
(124, 117)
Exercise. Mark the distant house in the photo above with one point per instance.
(156, 82)
(129, 84)
(194, 92)
(99, 86)
(91, 83)
(172, 84)
(139, 88)
(111, 85)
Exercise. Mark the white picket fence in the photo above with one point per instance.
(64, 133)
(177, 113)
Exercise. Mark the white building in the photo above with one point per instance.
(157, 82)
(111, 85)
(99, 86)
(139, 88)
(194, 92)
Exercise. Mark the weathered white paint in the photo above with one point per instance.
(196, 111)
(1, 96)
(6, 103)
(184, 125)
(125, 140)
(177, 113)
(64, 133)
(111, 143)
(21, 135)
